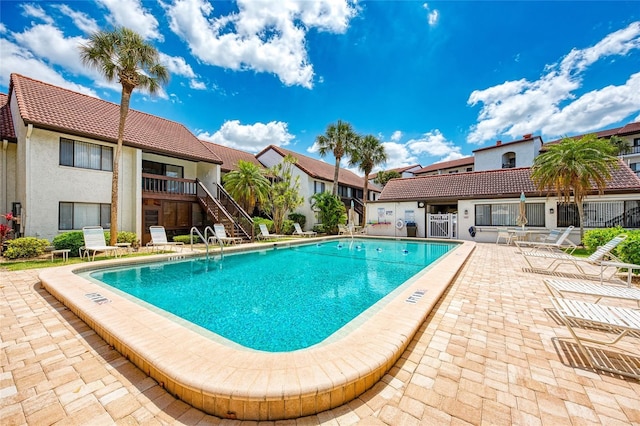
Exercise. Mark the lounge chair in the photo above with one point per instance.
(609, 320)
(597, 258)
(298, 231)
(221, 235)
(560, 242)
(159, 238)
(265, 235)
(94, 242)
(343, 230)
(559, 287)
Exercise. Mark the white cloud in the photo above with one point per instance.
(432, 14)
(85, 23)
(550, 105)
(197, 85)
(398, 155)
(131, 14)
(176, 65)
(396, 136)
(35, 11)
(249, 137)
(262, 36)
(434, 144)
(16, 59)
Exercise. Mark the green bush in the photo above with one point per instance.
(256, 225)
(629, 249)
(186, 239)
(123, 237)
(298, 217)
(595, 238)
(319, 228)
(287, 227)
(71, 240)
(25, 247)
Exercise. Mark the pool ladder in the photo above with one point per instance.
(207, 240)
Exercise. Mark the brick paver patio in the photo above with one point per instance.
(488, 354)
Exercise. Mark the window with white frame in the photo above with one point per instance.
(77, 215)
(506, 214)
(318, 187)
(85, 155)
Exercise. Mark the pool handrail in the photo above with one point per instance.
(204, 238)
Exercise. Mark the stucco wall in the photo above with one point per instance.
(491, 159)
(395, 216)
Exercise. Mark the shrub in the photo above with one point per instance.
(123, 237)
(629, 249)
(595, 238)
(71, 240)
(287, 227)
(298, 217)
(26, 247)
(256, 225)
(186, 239)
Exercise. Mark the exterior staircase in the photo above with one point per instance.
(222, 208)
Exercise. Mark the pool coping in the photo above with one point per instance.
(250, 385)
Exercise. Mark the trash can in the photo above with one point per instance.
(411, 229)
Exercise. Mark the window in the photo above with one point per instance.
(77, 215)
(318, 187)
(343, 191)
(509, 160)
(469, 169)
(506, 214)
(601, 214)
(169, 170)
(85, 155)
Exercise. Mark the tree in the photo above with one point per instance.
(124, 56)
(383, 177)
(339, 139)
(621, 147)
(284, 196)
(331, 211)
(247, 185)
(574, 166)
(368, 152)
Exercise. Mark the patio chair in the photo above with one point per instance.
(265, 235)
(221, 235)
(94, 242)
(596, 258)
(560, 287)
(343, 230)
(611, 320)
(159, 238)
(298, 231)
(561, 242)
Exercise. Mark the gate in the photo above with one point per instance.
(442, 226)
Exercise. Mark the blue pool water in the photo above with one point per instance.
(278, 299)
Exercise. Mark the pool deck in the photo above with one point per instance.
(487, 354)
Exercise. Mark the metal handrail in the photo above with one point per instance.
(203, 238)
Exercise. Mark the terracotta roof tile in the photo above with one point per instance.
(6, 123)
(319, 169)
(230, 156)
(465, 161)
(502, 183)
(630, 128)
(59, 109)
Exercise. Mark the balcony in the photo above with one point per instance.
(157, 186)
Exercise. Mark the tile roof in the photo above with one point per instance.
(58, 109)
(502, 183)
(501, 144)
(465, 161)
(628, 129)
(319, 169)
(230, 156)
(6, 123)
(397, 169)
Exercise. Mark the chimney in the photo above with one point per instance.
(527, 136)
(498, 143)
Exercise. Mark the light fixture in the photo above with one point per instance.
(466, 212)
(551, 210)
(420, 204)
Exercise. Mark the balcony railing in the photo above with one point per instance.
(168, 186)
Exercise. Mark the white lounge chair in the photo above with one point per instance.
(560, 242)
(343, 230)
(612, 320)
(221, 235)
(298, 231)
(94, 242)
(159, 238)
(596, 258)
(265, 235)
(598, 290)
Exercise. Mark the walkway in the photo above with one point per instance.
(488, 354)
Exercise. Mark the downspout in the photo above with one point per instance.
(5, 178)
(27, 181)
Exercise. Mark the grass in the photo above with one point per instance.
(42, 262)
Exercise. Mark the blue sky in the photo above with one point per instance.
(432, 80)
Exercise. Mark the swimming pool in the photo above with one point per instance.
(280, 299)
(230, 381)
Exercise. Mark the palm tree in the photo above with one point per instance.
(338, 139)
(284, 195)
(575, 166)
(368, 153)
(621, 145)
(122, 55)
(385, 176)
(248, 185)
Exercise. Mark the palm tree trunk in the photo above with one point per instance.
(335, 176)
(124, 109)
(365, 197)
(578, 202)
